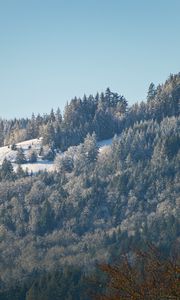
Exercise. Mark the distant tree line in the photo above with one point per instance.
(105, 114)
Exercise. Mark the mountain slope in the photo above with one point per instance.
(95, 207)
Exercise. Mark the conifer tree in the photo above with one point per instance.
(151, 92)
(20, 157)
(6, 171)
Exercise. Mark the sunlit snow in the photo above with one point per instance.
(35, 144)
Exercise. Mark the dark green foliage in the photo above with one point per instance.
(172, 145)
(13, 147)
(151, 92)
(17, 293)
(6, 170)
(49, 154)
(68, 284)
(46, 219)
(48, 134)
(20, 173)
(20, 157)
(32, 157)
(90, 149)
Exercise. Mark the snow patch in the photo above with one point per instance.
(35, 145)
(27, 146)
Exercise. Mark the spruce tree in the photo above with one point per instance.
(151, 92)
(20, 157)
(7, 172)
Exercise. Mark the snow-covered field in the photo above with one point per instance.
(8, 153)
(35, 145)
(30, 145)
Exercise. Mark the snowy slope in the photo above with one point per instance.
(7, 152)
(40, 165)
(35, 144)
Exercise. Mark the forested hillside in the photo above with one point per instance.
(95, 205)
(102, 114)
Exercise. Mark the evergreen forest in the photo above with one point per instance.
(56, 227)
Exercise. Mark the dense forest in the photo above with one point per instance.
(56, 226)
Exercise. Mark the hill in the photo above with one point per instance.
(92, 207)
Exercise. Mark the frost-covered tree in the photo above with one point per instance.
(20, 157)
(6, 170)
(151, 92)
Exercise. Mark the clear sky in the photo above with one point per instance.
(53, 50)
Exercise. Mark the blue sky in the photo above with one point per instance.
(53, 50)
